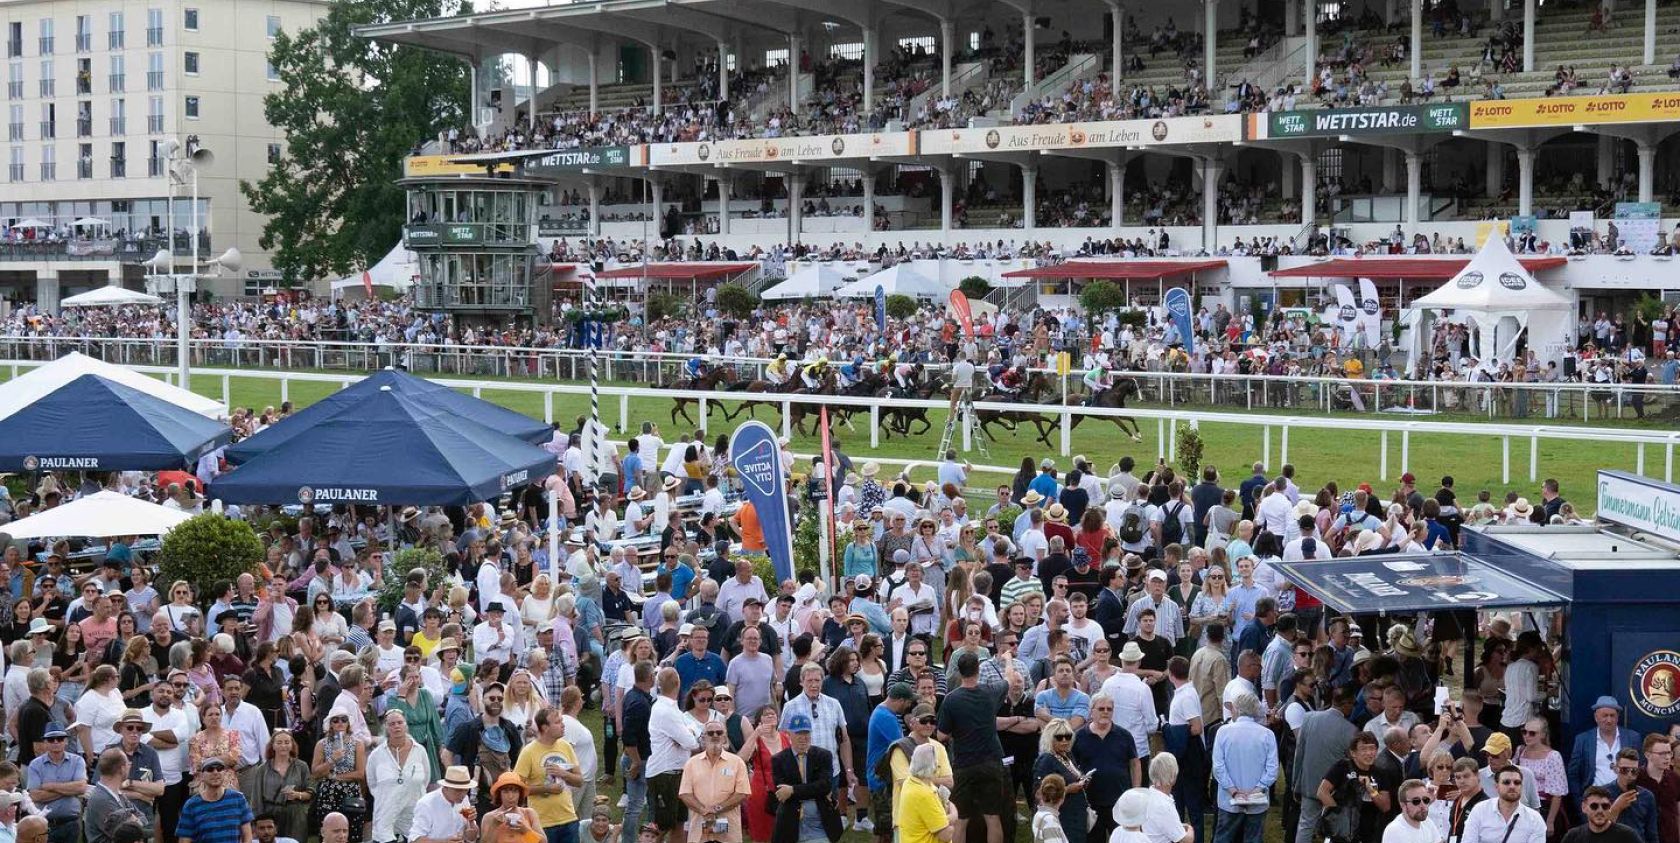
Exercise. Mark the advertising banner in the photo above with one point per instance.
(1639, 503)
(1217, 128)
(1569, 111)
(965, 314)
(880, 308)
(1370, 312)
(1381, 120)
(1400, 584)
(1178, 309)
(794, 149)
(758, 461)
(441, 165)
(1638, 224)
(578, 160)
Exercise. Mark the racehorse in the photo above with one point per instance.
(1037, 384)
(761, 387)
(720, 375)
(899, 419)
(1112, 398)
(796, 411)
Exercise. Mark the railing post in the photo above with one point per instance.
(1160, 438)
(874, 425)
(623, 412)
(1382, 473)
(285, 389)
(787, 424)
(548, 407)
(704, 411)
(1283, 457)
(1505, 460)
(1266, 446)
(1639, 461)
(227, 395)
(1533, 458)
(1405, 450)
(1668, 461)
(1172, 440)
(1067, 432)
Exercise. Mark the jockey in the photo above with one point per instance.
(696, 367)
(812, 374)
(852, 371)
(1011, 381)
(1096, 380)
(779, 370)
(904, 375)
(994, 367)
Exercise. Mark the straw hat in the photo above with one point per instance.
(1522, 508)
(1056, 514)
(636, 493)
(871, 468)
(1032, 498)
(458, 778)
(672, 484)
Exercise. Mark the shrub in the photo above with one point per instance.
(974, 287)
(397, 566)
(665, 305)
(736, 300)
(1189, 452)
(900, 306)
(1101, 296)
(209, 548)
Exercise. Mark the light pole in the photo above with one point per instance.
(184, 161)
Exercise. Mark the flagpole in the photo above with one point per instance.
(591, 446)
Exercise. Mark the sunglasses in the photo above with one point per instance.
(412, 659)
(922, 653)
(1627, 771)
(55, 740)
(492, 699)
(1064, 737)
(699, 700)
(134, 728)
(723, 698)
(1598, 806)
(716, 735)
(1419, 800)
(927, 721)
(1532, 732)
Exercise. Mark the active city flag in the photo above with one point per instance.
(880, 308)
(965, 314)
(1178, 309)
(758, 461)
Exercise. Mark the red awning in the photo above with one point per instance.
(699, 271)
(1135, 270)
(1437, 269)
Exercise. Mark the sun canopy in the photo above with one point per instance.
(681, 270)
(26, 388)
(110, 295)
(1401, 584)
(103, 514)
(439, 398)
(389, 448)
(899, 280)
(812, 282)
(1428, 269)
(94, 424)
(396, 270)
(1132, 270)
(1494, 280)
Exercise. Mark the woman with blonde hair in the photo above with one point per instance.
(180, 608)
(137, 671)
(1055, 758)
(523, 701)
(538, 607)
(1546, 766)
(340, 766)
(460, 608)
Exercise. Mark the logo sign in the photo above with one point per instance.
(306, 496)
(1469, 280)
(1659, 107)
(1178, 309)
(880, 308)
(1399, 119)
(460, 234)
(1654, 686)
(1639, 503)
(333, 494)
(575, 160)
(1511, 281)
(1347, 313)
(758, 461)
(421, 235)
(516, 478)
(1370, 306)
(33, 463)
(965, 314)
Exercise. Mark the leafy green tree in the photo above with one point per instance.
(1101, 297)
(900, 306)
(350, 110)
(209, 548)
(664, 305)
(974, 287)
(736, 300)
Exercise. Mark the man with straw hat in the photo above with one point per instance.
(446, 813)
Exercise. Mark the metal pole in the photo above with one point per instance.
(590, 291)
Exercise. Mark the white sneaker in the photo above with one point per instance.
(864, 825)
(623, 801)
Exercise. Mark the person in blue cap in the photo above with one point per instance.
(1594, 760)
(804, 794)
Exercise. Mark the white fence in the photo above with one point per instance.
(1166, 420)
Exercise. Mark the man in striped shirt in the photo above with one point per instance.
(216, 814)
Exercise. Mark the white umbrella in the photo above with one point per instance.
(103, 514)
(32, 223)
(110, 295)
(85, 222)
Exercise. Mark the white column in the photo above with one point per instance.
(1650, 32)
(1117, 48)
(531, 105)
(947, 189)
(1311, 50)
(1212, 166)
(947, 35)
(1606, 159)
(868, 200)
(1528, 36)
(868, 70)
(793, 72)
(1117, 191)
(1210, 48)
(1495, 169)
(658, 83)
(725, 186)
(594, 82)
(723, 70)
(47, 291)
(656, 194)
(1309, 189)
(1647, 170)
(594, 208)
(1029, 197)
(1525, 180)
(796, 215)
(1416, 50)
(1414, 190)
(1027, 31)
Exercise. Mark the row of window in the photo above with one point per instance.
(46, 42)
(117, 120)
(116, 80)
(85, 162)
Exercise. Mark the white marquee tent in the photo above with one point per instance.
(104, 514)
(902, 280)
(1499, 301)
(32, 385)
(396, 270)
(817, 281)
(110, 295)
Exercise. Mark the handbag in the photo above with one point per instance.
(354, 806)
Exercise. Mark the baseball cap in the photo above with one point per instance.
(799, 723)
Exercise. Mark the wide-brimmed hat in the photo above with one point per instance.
(1522, 507)
(672, 484)
(636, 493)
(508, 518)
(505, 780)
(871, 468)
(447, 644)
(1131, 653)
(133, 717)
(1132, 809)
(1031, 498)
(1056, 513)
(39, 626)
(1305, 507)
(1407, 645)
(458, 778)
(409, 513)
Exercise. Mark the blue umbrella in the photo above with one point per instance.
(387, 449)
(493, 416)
(94, 424)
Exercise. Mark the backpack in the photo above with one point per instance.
(1131, 526)
(1341, 823)
(1172, 529)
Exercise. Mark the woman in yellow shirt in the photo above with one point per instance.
(923, 814)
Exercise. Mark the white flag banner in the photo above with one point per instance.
(1347, 313)
(1370, 312)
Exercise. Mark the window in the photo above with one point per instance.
(16, 172)
(154, 71)
(773, 58)
(84, 161)
(114, 39)
(189, 62)
(273, 153)
(14, 39)
(49, 163)
(49, 121)
(192, 108)
(119, 160)
(84, 33)
(154, 161)
(14, 80)
(272, 71)
(189, 20)
(154, 116)
(974, 41)
(84, 77)
(119, 74)
(119, 118)
(14, 128)
(925, 43)
(84, 119)
(154, 27)
(273, 26)
(846, 52)
(46, 39)
(47, 84)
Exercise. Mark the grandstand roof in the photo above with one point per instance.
(1438, 269)
(681, 270)
(1136, 270)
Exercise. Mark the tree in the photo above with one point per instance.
(350, 110)
(736, 300)
(209, 548)
(663, 305)
(974, 287)
(1101, 297)
(900, 306)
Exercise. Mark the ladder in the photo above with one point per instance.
(964, 413)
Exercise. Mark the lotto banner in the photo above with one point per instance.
(1571, 111)
(965, 314)
(758, 461)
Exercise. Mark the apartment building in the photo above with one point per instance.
(93, 89)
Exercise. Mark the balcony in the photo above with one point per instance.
(119, 126)
(46, 45)
(154, 80)
(131, 250)
(154, 36)
(47, 89)
(154, 166)
(49, 130)
(84, 42)
(84, 83)
(84, 127)
(14, 49)
(14, 132)
(49, 171)
(16, 173)
(114, 39)
(154, 124)
(84, 168)
(119, 168)
(14, 89)
(119, 82)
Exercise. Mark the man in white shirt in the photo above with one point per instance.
(437, 815)
(952, 472)
(650, 444)
(1505, 819)
(918, 599)
(672, 736)
(636, 517)
(1161, 823)
(1134, 702)
(170, 732)
(489, 581)
(712, 501)
(244, 718)
(1413, 825)
(390, 656)
(494, 638)
(1274, 509)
